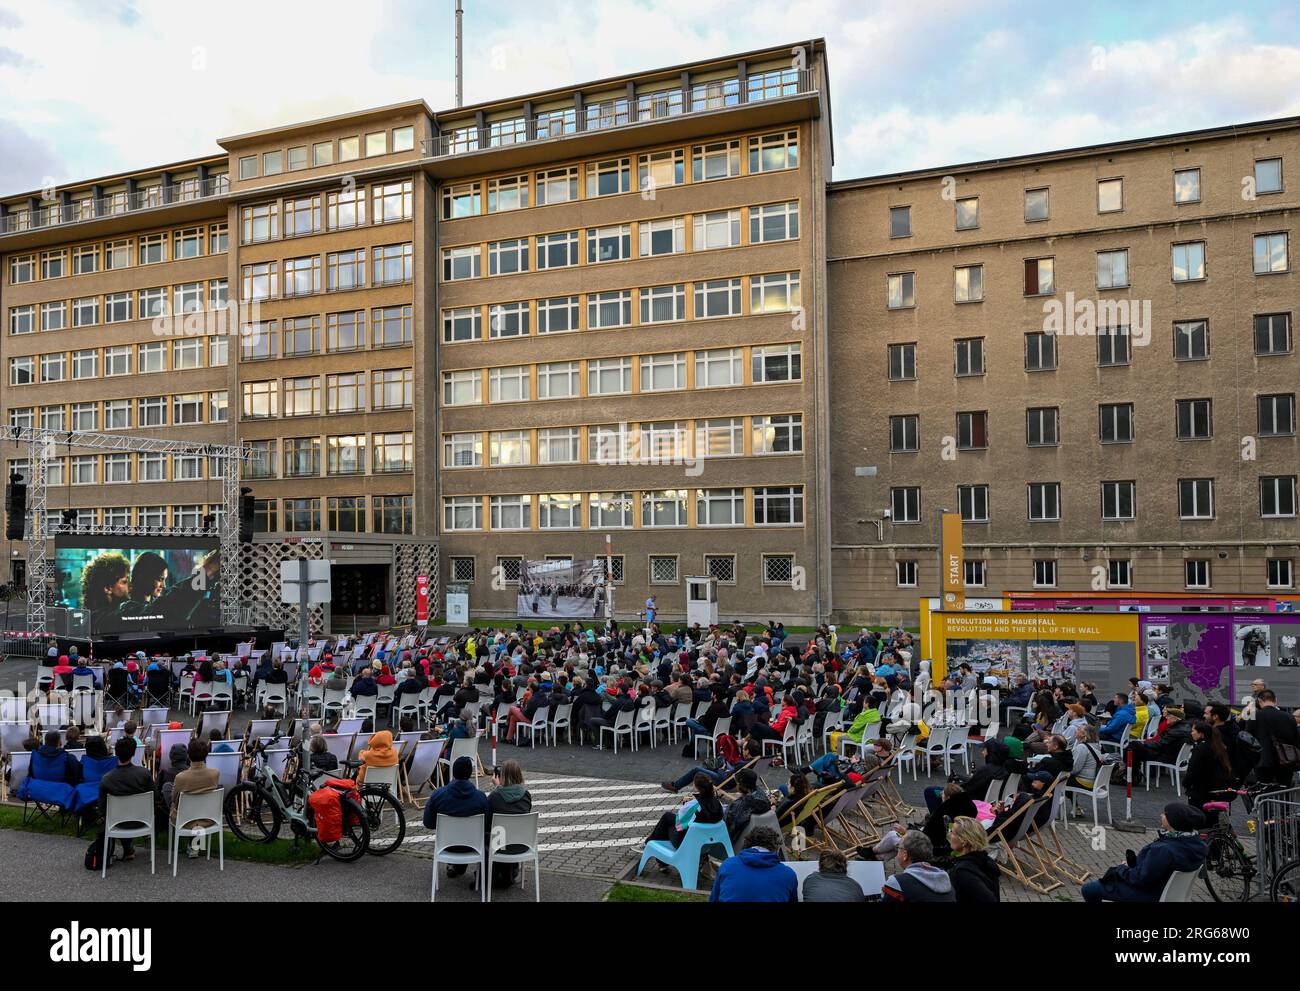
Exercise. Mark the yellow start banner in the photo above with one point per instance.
(951, 553)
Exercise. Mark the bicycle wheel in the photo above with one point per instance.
(1227, 873)
(251, 814)
(356, 834)
(386, 819)
(1286, 883)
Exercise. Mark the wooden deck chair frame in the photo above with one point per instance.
(1018, 851)
(722, 788)
(1046, 843)
(836, 827)
(802, 812)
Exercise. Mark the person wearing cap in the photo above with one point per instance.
(460, 799)
(1165, 745)
(1178, 847)
(1078, 718)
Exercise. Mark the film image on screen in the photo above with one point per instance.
(562, 589)
(140, 585)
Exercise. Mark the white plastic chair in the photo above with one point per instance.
(834, 723)
(83, 683)
(681, 713)
(538, 725)
(191, 808)
(644, 723)
(623, 726)
(204, 692)
(271, 695)
(462, 747)
(459, 840)
(563, 721)
(1179, 886)
(789, 741)
(956, 747)
(936, 746)
(721, 727)
(129, 817)
(514, 840)
(906, 754)
(186, 691)
(1100, 790)
(223, 693)
(1178, 768)
(333, 700)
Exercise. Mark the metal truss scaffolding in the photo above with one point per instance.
(42, 446)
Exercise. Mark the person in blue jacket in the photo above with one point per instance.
(757, 874)
(1178, 847)
(1124, 717)
(52, 776)
(460, 798)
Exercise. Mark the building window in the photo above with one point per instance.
(902, 362)
(776, 363)
(1191, 340)
(1112, 269)
(302, 396)
(778, 569)
(187, 408)
(900, 221)
(1120, 573)
(901, 290)
(345, 455)
(511, 512)
(1268, 175)
(461, 569)
(778, 434)
(609, 244)
(54, 316)
(777, 293)
(558, 445)
(345, 331)
(1187, 185)
(717, 298)
(1272, 334)
(778, 506)
(261, 400)
(724, 438)
(973, 501)
(609, 376)
(663, 569)
(559, 512)
(1196, 498)
(663, 304)
(973, 574)
(347, 514)
(393, 453)
(1113, 347)
(117, 414)
(22, 319)
(609, 178)
(774, 152)
(345, 208)
(1040, 276)
(1110, 195)
(1276, 415)
(774, 222)
(509, 385)
(1036, 205)
(969, 356)
(968, 213)
(721, 568)
(301, 336)
(1194, 419)
(1044, 501)
(664, 509)
(462, 388)
(557, 315)
(344, 393)
(1040, 352)
(972, 431)
(719, 160)
(606, 310)
(719, 369)
(85, 416)
(557, 250)
(661, 237)
(969, 283)
(663, 372)
(1281, 573)
(1197, 574)
(1115, 423)
(904, 434)
(558, 380)
(905, 504)
(610, 510)
(905, 574)
(151, 411)
(464, 200)
(393, 388)
(393, 264)
(391, 327)
(1042, 427)
(557, 186)
(301, 457)
(1189, 261)
(22, 268)
(1044, 574)
(392, 201)
(1277, 496)
(54, 264)
(1271, 253)
(462, 263)
(85, 259)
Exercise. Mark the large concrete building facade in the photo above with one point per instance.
(640, 309)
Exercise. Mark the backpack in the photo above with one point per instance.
(94, 854)
(727, 748)
(1249, 750)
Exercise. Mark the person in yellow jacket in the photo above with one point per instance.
(1140, 717)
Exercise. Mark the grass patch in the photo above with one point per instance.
(280, 852)
(622, 892)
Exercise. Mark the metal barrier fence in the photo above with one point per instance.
(17, 645)
(1277, 835)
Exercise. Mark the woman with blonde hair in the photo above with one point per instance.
(974, 874)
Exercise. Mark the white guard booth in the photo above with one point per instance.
(701, 601)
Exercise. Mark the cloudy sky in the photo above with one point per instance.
(94, 87)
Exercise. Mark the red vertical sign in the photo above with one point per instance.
(422, 600)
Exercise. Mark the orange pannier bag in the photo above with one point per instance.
(326, 803)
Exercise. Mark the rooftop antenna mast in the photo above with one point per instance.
(460, 72)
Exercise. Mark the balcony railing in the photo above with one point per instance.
(79, 211)
(718, 94)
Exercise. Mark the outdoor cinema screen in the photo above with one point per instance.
(140, 584)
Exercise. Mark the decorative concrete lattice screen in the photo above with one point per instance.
(411, 561)
(259, 587)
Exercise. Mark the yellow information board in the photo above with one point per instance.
(1082, 646)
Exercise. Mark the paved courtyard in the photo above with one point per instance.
(597, 807)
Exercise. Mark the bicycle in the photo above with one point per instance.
(1286, 883)
(258, 808)
(1229, 871)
